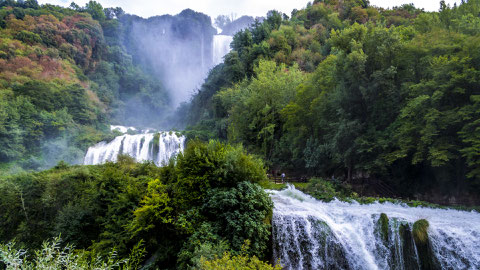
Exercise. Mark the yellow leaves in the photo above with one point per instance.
(237, 262)
(14, 24)
(345, 39)
(438, 157)
(155, 208)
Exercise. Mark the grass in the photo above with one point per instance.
(267, 184)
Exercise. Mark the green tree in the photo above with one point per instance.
(96, 10)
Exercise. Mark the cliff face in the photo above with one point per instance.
(178, 49)
(239, 24)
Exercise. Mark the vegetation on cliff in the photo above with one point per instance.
(63, 76)
(346, 89)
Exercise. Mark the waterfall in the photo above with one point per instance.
(310, 234)
(221, 46)
(169, 145)
(122, 129)
(157, 147)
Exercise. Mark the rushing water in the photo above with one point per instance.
(158, 147)
(221, 46)
(309, 234)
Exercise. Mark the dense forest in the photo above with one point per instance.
(203, 204)
(346, 90)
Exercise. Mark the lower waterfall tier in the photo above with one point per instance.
(309, 234)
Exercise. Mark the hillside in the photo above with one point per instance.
(67, 73)
(346, 90)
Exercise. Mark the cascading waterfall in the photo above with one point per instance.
(221, 46)
(169, 145)
(157, 147)
(122, 129)
(310, 234)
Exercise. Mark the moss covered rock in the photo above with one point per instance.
(420, 231)
(424, 248)
(384, 227)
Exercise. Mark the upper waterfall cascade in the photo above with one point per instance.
(157, 147)
(221, 46)
(310, 234)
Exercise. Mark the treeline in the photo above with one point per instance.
(348, 90)
(204, 206)
(64, 74)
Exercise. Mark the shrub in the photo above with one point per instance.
(237, 262)
(53, 256)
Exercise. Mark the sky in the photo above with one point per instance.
(148, 8)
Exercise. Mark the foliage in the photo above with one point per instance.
(366, 93)
(244, 212)
(254, 107)
(62, 78)
(237, 262)
(200, 205)
(53, 256)
(426, 255)
(267, 184)
(420, 231)
(202, 167)
(205, 244)
(327, 190)
(384, 227)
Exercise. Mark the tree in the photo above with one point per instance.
(255, 106)
(222, 20)
(240, 213)
(96, 10)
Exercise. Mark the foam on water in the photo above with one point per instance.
(310, 234)
(142, 147)
(221, 46)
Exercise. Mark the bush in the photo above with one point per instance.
(53, 256)
(238, 262)
(204, 166)
(115, 205)
(327, 190)
(239, 214)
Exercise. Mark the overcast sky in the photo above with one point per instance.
(147, 8)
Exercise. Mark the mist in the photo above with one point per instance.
(175, 49)
(178, 52)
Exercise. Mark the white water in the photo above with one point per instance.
(122, 129)
(221, 46)
(141, 147)
(309, 234)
